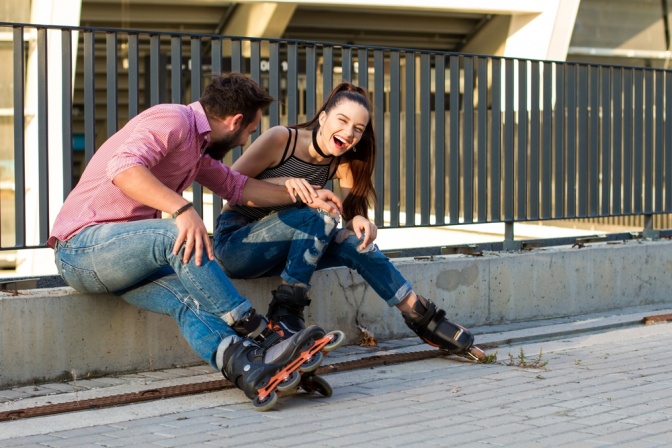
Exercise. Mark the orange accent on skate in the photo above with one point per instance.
(283, 374)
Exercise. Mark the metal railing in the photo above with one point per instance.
(462, 139)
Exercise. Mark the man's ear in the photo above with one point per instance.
(236, 121)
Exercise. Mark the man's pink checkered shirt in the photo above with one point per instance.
(168, 139)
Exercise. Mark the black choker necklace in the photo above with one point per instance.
(317, 147)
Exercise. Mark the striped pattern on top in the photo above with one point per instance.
(290, 167)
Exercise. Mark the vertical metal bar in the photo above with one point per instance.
(274, 82)
(379, 117)
(547, 144)
(454, 192)
(482, 137)
(89, 96)
(582, 155)
(638, 146)
(363, 68)
(410, 139)
(66, 109)
(605, 150)
(618, 138)
(176, 69)
(196, 69)
(508, 150)
(570, 179)
(255, 72)
(535, 98)
(496, 142)
(647, 185)
(668, 142)
(42, 135)
(19, 63)
(521, 178)
(328, 73)
(346, 64)
(594, 147)
(559, 134)
(440, 138)
(659, 159)
(236, 55)
(216, 67)
(112, 83)
(424, 181)
(468, 140)
(292, 83)
(154, 68)
(196, 88)
(216, 57)
(627, 140)
(311, 80)
(133, 76)
(395, 112)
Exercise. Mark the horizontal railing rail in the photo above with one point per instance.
(462, 139)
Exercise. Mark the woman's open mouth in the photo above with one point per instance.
(340, 143)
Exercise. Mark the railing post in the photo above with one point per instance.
(649, 231)
(509, 243)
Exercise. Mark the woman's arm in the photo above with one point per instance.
(265, 152)
(358, 224)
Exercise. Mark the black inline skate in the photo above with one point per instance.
(263, 371)
(285, 316)
(429, 322)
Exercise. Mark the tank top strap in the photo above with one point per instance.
(332, 171)
(286, 155)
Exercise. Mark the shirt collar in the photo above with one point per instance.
(202, 125)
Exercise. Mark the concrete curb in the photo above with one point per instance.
(54, 333)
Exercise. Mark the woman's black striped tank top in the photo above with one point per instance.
(290, 166)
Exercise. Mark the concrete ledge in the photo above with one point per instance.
(47, 334)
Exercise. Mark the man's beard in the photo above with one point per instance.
(218, 149)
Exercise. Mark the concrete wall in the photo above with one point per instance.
(50, 333)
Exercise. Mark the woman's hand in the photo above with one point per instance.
(362, 226)
(300, 189)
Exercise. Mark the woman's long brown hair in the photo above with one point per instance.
(362, 161)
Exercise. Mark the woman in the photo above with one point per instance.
(337, 143)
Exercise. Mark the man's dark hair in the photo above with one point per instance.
(234, 94)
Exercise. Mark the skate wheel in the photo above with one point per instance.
(339, 339)
(313, 363)
(290, 383)
(265, 405)
(476, 354)
(319, 385)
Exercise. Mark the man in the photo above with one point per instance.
(109, 237)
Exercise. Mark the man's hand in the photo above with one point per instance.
(362, 226)
(193, 234)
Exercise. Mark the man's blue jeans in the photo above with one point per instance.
(135, 261)
(246, 249)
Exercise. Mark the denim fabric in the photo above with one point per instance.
(371, 264)
(135, 260)
(246, 249)
(288, 243)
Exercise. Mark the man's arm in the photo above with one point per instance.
(140, 184)
(258, 193)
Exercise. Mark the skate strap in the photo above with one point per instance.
(430, 314)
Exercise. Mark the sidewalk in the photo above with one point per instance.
(607, 381)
